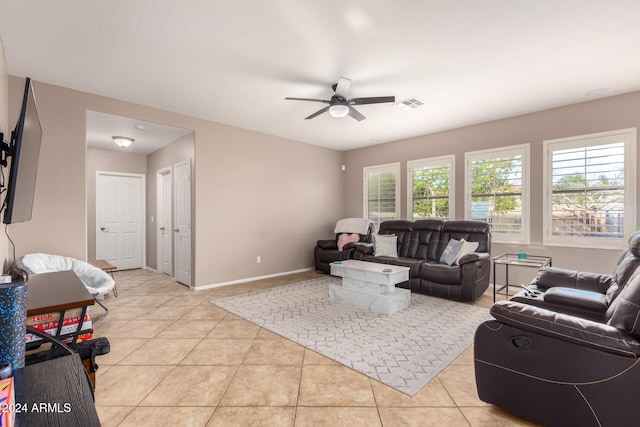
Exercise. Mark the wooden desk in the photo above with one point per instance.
(57, 291)
(60, 391)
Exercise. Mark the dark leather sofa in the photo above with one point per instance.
(562, 370)
(420, 246)
(326, 251)
(567, 352)
(582, 294)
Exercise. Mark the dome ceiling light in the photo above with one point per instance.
(123, 141)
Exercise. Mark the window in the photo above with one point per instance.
(589, 189)
(381, 195)
(431, 188)
(497, 191)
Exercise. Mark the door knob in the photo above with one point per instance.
(161, 228)
(103, 229)
(177, 230)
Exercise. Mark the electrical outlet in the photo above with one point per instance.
(258, 259)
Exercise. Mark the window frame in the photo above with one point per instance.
(387, 167)
(629, 138)
(523, 237)
(450, 161)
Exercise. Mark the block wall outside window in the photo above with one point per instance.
(497, 191)
(431, 188)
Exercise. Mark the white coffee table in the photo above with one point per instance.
(371, 286)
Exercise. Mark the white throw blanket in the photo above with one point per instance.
(353, 225)
(97, 282)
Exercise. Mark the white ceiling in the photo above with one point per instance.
(234, 62)
(148, 136)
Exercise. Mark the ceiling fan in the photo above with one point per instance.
(340, 105)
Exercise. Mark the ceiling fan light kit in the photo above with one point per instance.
(339, 110)
(340, 105)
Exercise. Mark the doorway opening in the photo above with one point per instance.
(156, 152)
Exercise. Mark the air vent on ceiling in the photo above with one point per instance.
(410, 103)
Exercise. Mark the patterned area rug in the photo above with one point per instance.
(404, 350)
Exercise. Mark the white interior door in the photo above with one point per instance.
(165, 221)
(182, 231)
(120, 219)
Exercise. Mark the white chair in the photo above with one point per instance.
(97, 282)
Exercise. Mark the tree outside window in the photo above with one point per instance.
(496, 189)
(588, 191)
(431, 183)
(590, 187)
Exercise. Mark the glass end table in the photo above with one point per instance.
(534, 261)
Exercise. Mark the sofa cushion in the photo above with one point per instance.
(450, 253)
(413, 264)
(471, 231)
(626, 314)
(628, 262)
(400, 228)
(441, 273)
(549, 277)
(385, 245)
(578, 298)
(425, 238)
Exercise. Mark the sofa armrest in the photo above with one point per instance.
(365, 248)
(563, 327)
(327, 244)
(350, 246)
(549, 277)
(577, 298)
(473, 257)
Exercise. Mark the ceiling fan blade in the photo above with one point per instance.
(342, 88)
(326, 101)
(356, 114)
(372, 100)
(317, 113)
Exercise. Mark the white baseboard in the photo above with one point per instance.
(249, 279)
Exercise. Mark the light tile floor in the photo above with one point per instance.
(177, 360)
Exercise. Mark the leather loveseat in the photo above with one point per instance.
(562, 370)
(330, 250)
(420, 246)
(582, 294)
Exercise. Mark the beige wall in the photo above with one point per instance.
(611, 113)
(177, 151)
(255, 194)
(4, 128)
(106, 161)
(259, 195)
(58, 222)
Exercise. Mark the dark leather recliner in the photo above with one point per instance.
(326, 251)
(562, 370)
(583, 294)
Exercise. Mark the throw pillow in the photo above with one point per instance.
(385, 245)
(467, 248)
(344, 238)
(451, 251)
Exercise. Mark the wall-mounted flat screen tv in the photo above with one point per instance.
(24, 150)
